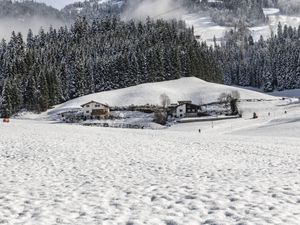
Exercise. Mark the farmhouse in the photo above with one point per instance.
(184, 109)
(95, 110)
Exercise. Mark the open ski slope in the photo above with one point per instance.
(241, 171)
(69, 174)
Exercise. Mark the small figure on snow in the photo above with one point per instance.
(255, 115)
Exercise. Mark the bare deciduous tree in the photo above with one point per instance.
(165, 100)
(235, 95)
(230, 99)
(160, 117)
(223, 97)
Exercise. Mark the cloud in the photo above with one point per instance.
(59, 4)
(166, 9)
(8, 25)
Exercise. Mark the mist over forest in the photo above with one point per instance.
(167, 9)
(8, 25)
(20, 16)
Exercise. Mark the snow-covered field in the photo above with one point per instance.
(207, 29)
(69, 174)
(240, 171)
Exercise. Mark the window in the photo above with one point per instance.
(180, 110)
(87, 111)
(87, 106)
(97, 106)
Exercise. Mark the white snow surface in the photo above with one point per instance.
(294, 93)
(191, 88)
(271, 11)
(207, 29)
(238, 171)
(70, 174)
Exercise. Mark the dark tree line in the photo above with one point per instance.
(92, 9)
(268, 64)
(58, 65)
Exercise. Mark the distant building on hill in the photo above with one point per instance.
(95, 110)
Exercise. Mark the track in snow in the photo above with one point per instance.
(62, 174)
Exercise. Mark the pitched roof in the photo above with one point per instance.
(94, 102)
(187, 104)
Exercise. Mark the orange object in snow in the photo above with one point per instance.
(6, 120)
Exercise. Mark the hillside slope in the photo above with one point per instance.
(22, 16)
(27, 9)
(190, 88)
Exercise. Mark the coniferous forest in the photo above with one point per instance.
(272, 64)
(39, 71)
(58, 65)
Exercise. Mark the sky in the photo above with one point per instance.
(58, 3)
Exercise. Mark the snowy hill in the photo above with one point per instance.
(22, 16)
(93, 9)
(27, 9)
(191, 88)
(207, 29)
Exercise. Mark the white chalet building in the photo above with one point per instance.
(95, 110)
(184, 109)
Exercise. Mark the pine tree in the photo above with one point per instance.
(6, 109)
(43, 92)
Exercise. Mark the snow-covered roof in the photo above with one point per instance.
(94, 102)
